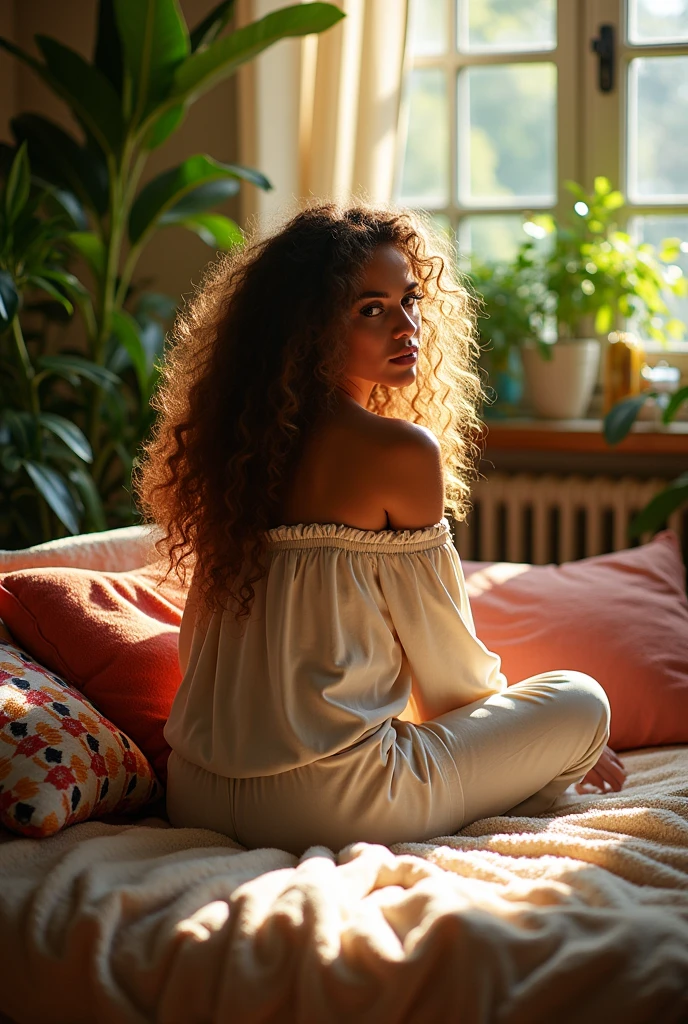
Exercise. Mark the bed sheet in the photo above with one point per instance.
(580, 914)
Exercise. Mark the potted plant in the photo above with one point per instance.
(508, 295)
(593, 277)
(148, 68)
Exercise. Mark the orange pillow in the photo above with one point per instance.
(112, 635)
(620, 617)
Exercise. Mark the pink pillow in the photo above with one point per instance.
(112, 635)
(620, 617)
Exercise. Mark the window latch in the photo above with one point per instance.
(603, 46)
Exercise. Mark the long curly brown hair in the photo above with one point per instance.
(257, 355)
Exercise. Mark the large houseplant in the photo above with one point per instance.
(148, 68)
(594, 276)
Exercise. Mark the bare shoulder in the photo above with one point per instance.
(407, 435)
(410, 474)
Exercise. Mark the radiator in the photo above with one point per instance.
(541, 518)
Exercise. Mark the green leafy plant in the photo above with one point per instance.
(42, 453)
(147, 70)
(510, 296)
(593, 273)
(617, 424)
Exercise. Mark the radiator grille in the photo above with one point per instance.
(541, 518)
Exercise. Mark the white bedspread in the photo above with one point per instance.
(576, 916)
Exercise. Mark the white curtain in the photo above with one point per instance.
(319, 116)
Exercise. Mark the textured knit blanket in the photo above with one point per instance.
(577, 915)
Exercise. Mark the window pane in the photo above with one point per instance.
(425, 177)
(495, 237)
(657, 21)
(491, 26)
(507, 135)
(657, 134)
(491, 237)
(428, 30)
(653, 229)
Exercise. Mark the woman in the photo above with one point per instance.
(317, 419)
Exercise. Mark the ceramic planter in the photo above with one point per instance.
(561, 388)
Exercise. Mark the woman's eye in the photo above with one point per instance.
(372, 310)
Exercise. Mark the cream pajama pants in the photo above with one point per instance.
(511, 753)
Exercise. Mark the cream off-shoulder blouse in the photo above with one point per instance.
(349, 629)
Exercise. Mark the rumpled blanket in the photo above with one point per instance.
(578, 915)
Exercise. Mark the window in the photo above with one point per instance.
(502, 104)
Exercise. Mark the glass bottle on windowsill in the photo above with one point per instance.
(622, 377)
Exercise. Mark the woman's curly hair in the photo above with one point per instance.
(257, 355)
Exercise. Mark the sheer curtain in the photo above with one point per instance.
(319, 116)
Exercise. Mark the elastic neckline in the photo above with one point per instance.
(318, 535)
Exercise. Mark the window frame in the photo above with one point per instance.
(591, 125)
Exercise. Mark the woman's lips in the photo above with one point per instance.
(406, 360)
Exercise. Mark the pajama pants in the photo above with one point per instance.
(511, 753)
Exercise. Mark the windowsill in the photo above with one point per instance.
(656, 347)
(526, 433)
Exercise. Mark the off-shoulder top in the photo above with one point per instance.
(349, 629)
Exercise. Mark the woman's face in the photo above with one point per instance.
(385, 322)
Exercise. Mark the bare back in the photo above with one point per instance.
(350, 468)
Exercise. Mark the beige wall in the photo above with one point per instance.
(175, 257)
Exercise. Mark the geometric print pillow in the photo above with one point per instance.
(61, 761)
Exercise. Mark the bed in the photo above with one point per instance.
(580, 914)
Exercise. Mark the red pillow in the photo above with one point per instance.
(112, 635)
(620, 617)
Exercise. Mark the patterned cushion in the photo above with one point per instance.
(61, 761)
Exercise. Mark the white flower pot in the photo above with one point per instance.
(561, 388)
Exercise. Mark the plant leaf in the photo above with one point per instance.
(669, 249)
(92, 248)
(18, 185)
(211, 26)
(156, 303)
(40, 282)
(676, 400)
(18, 421)
(127, 332)
(108, 49)
(9, 300)
(621, 417)
(52, 486)
(166, 190)
(87, 91)
(205, 68)
(160, 130)
(65, 365)
(155, 41)
(660, 507)
(215, 230)
(63, 204)
(201, 199)
(93, 506)
(68, 432)
(60, 158)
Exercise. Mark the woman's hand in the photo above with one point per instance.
(608, 772)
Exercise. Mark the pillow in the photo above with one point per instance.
(117, 550)
(620, 617)
(60, 760)
(112, 635)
